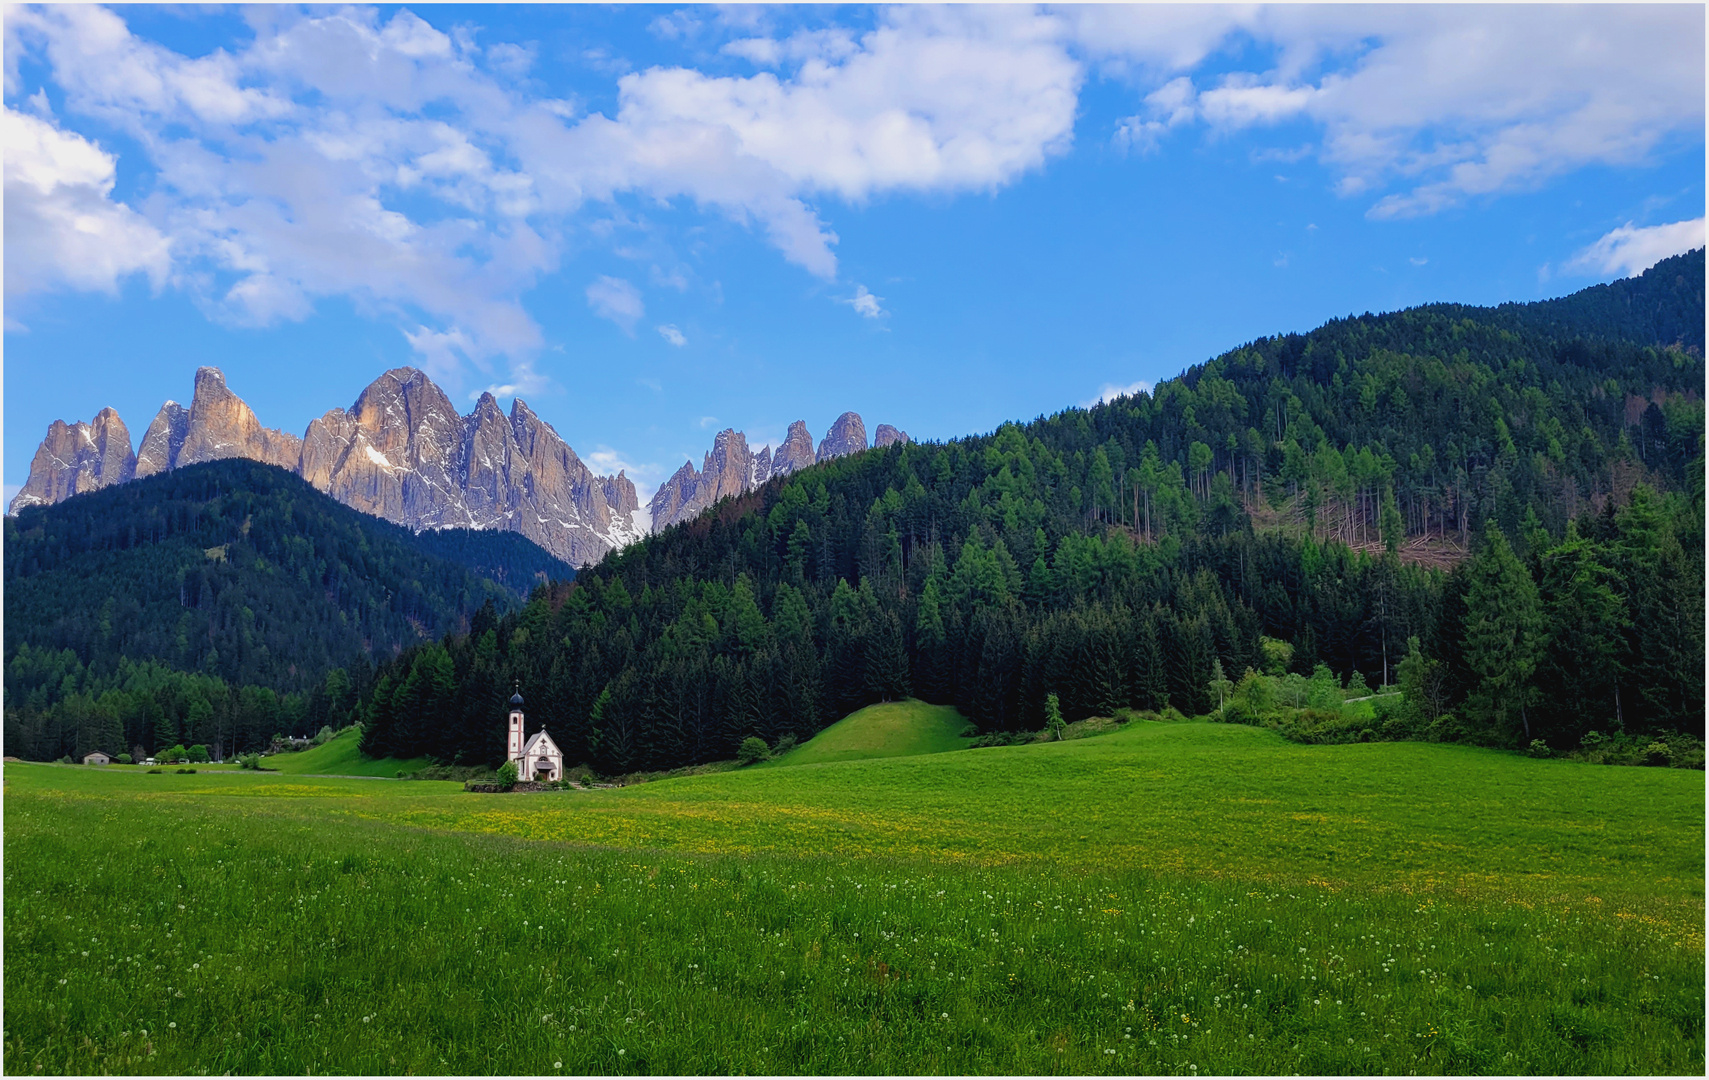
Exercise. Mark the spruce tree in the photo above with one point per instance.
(1503, 638)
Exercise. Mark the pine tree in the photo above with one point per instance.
(1503, 637)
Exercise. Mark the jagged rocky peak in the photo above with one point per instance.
(887, 435)
(222, 426)
(163, 440)
(729, 468)
(795, 452)
(401, 452)
(76, 458)
(847, 436)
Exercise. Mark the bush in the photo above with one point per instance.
(172, 754)
(1539, 748)
(784, 745)
(181, 771)
(156, 769)
(1658, 754)
(507, 775)
(122, 759)
(323, 736)
(197, 754)
(753, 749)
(1053, 717)
(249, 761)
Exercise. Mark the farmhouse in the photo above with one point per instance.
(95, 757)
(536, 758)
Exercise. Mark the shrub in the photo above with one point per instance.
(323, 736)
(753, 749)
(172, 754)
(66, 760)
(186, 771)
(784, 745)
(249, 761)
(156, 769)
(507, 775)
(197, 754)
(1053, 717)
(1539, 748)
(122, 759)
(1659, 754)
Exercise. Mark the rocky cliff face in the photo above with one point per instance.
(222, 426)
(795, 452)
(77, 458)
(731, 469)
(401, 452)
(847, 436)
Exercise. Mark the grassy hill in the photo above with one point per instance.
(891, 729)
(1168, 898)
(341, 756)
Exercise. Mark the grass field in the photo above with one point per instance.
(1166, 898)
(339, 756)
(893, 729)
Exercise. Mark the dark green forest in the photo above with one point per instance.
(225, 601)
(1507, 500)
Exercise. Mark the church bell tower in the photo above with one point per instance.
(513, 747)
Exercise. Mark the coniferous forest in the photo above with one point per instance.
(1501, 508)
(223, 603)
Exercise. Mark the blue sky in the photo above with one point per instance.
(655, 222)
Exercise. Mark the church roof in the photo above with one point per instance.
(540, 743)
(516, 699)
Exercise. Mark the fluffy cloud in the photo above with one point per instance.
(866, 305)
(617, 300)
(1445, 102)
(342, 152)
(1629, 251)
(673, 335)
(346, 153)
(63, 229)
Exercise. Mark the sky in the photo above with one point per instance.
(653, 223)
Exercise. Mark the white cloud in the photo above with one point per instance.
(1110, 391)
(63, 229)
(707, 421)
(865, 304)
(673, 335)
(1629, 251)
(617, 300)
(1448, 102)
(353, 153)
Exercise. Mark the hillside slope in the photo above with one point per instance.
(1124, 555)
(235, 571)
(888, 729)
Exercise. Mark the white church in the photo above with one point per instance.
(537, 758)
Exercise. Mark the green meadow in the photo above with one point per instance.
(1186, 898)
(892, 729)
(341, 756)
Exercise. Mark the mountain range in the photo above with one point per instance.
(403, 453)
(730, 468)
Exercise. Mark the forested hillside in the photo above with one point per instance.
(147, 606)
(1474, 479)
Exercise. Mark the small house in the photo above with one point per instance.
(95, 757)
